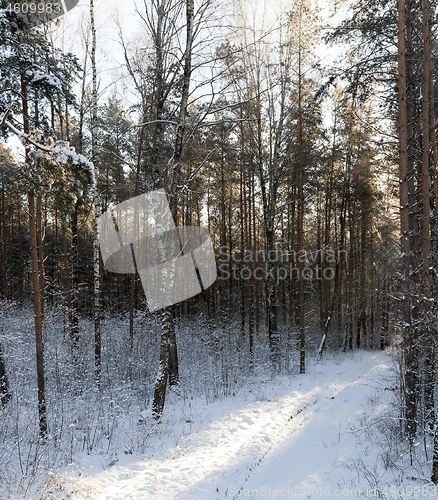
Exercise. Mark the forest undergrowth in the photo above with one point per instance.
(214, 363)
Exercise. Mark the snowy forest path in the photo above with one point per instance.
(303, 462)
(287, 446)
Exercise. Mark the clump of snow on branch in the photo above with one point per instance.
(65, 154)
(40, 76)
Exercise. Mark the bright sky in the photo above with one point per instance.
(110, 14)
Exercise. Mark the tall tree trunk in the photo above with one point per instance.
(168, 351)
(271, 290)
(5, 394)
(133, 283)
(37, 299)
(36, 281)
(66, 269)
(20, 256)
(269, 203)
(336, 284)
(167, 317)
(300, 230)
(97, 209)
(426, 334)
(242, 246)
(434, 165)
(2, 240)
(74, 279)
(40, 246)
(425, 182)
(361, 320)
(348, 340)
(408, 328)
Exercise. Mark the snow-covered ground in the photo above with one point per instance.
(300, 437)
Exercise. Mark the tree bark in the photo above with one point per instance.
(300, 230)
(335, 286)
(97, 310)
(408, 328)
(425, 182)
(168, 351)
(36, 281)
(74, 280)
(5, 394)
(38, 318)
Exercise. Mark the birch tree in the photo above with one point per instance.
(97, 208)
(168, 353)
